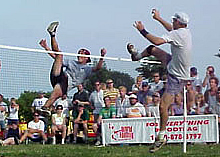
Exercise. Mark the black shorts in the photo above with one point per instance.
(61, 79)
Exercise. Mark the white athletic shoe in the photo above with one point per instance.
(52, 28)
(62, 142)
(157, 145)
(98, 143)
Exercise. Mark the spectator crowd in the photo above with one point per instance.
(107, 101)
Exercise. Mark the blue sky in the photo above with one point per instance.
(99, 23)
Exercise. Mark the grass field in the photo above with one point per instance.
(110, 151)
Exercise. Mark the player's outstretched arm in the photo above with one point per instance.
(100, 63)
(153, 39)
(156, 16)
(43, 43)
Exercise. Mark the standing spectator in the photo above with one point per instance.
(196, 81)
(177, 106)
(39, 102)
(210, 72)
(81, 97)
(216, 109)
(59, 124)
(81, 117)
(136, 109)
(13, 135)
(110, 91)
(35, 129)
(137, 86)
(142, 94)
(106, 112)
(201, 106)
(122, 102)
(13, 112)
(153, 109)
(96, 100)
(190, 98)
(210, 94)
(3, 111)
(157, 85)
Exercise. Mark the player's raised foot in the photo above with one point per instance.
(45, 111)
(52, 28)
(217, 55)
(133, 51)
(157, 145)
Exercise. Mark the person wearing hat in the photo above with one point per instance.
(58, 124)
(153, 109)
(81, 117)
(75, 72)
(144, 93)
(177, 63)
(136, 109)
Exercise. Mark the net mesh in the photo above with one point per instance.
(29, 71)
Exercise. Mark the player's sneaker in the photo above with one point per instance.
(133, 51)
(1, 143)
(52, 28)
(217, 55)
(157, 145)
(45, 111)
(98, 143)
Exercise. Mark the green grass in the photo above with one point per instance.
(110, 151)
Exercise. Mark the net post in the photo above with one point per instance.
(184, 119)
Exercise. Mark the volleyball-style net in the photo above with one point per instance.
(25, 69)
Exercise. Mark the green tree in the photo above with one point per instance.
(147, 70)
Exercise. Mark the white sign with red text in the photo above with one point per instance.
(200, 128)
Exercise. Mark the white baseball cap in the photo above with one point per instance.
(181, 17)
(133, 96)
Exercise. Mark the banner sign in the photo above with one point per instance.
(200, 128)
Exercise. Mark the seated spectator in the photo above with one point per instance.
(137, 86)
(177, 106)
(153, 109)
(59, 124)
(107, 112)
(13, 112)
(149, 102)
(122, 102)
(3, 111)
(81, 116)
(210, 95)
(35, 129)
(142, 94)
(201, 106)
(136, 109)
(157, 84)
(13, 135)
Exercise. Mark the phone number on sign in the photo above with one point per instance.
(180, 136)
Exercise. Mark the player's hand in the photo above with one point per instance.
(156, 14)
(43, 43)
(138, 25)
(103, 52)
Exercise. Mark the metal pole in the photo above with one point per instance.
(185, 120)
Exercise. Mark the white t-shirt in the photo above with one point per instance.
(136, 110)
(39, 125)
(13, 114)
(39, 102)
(59, 120)
(5, 108)
(181, 46)
(121, 106)
(153, 110)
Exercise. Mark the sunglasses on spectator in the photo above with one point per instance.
(156, 76)
(36, 115)
(109, 82)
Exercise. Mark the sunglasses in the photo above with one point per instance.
(36, 115)
(156, 76)
(109, 82)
